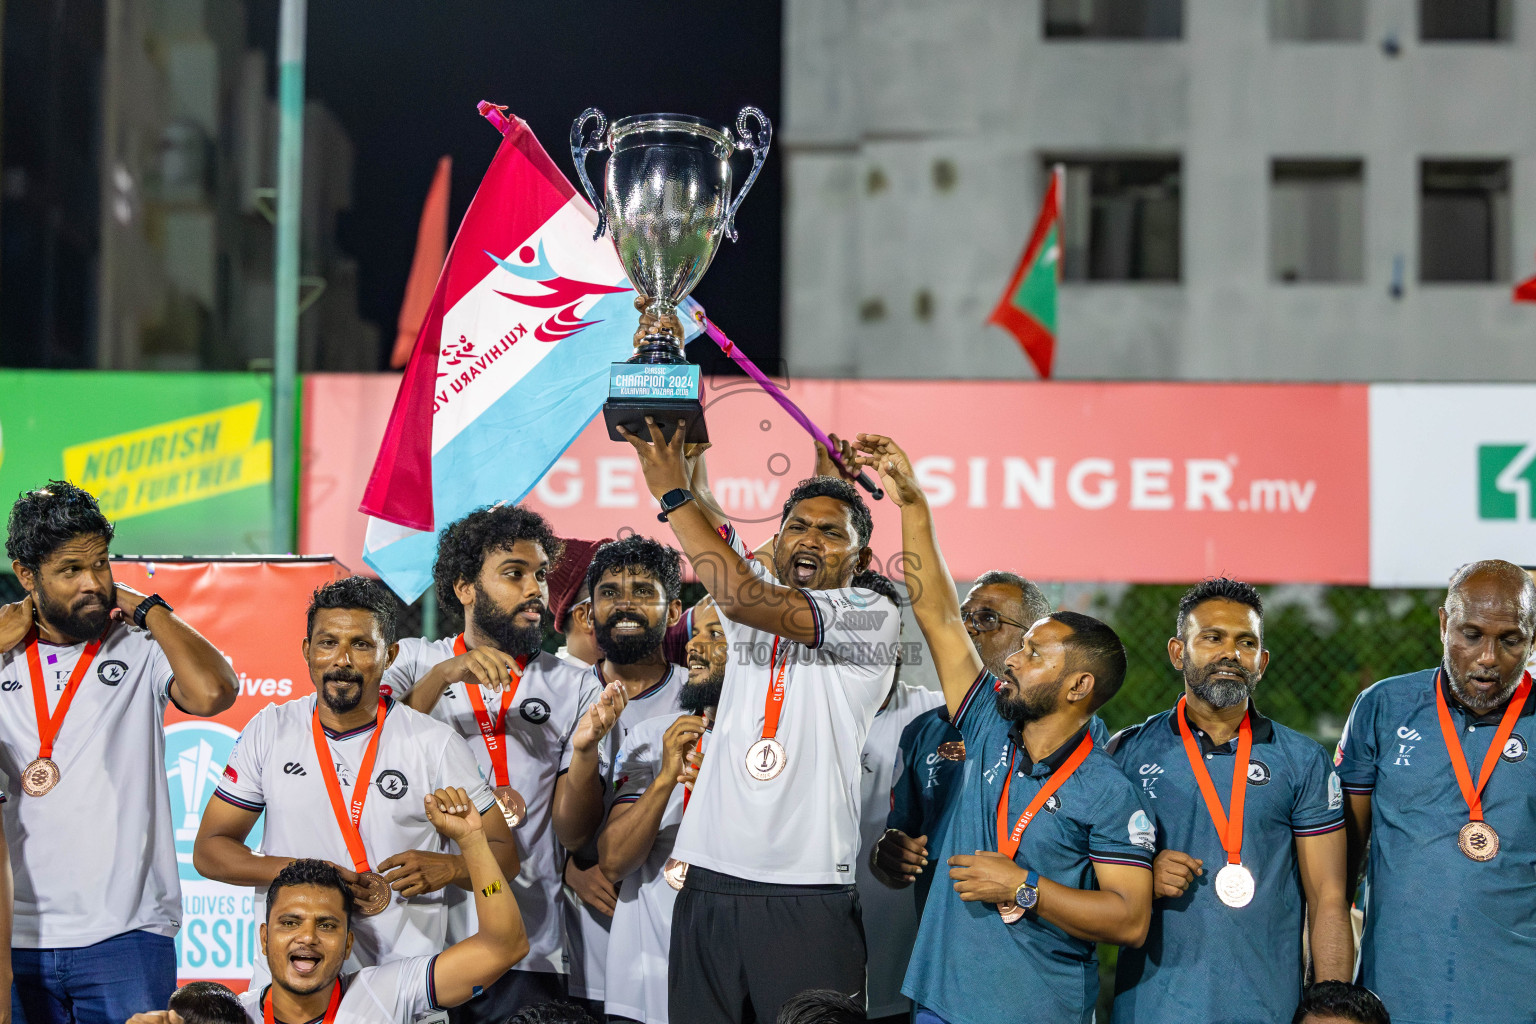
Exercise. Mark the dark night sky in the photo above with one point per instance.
(405, 76)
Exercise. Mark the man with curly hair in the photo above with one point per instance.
(90, 666)
(536, 724)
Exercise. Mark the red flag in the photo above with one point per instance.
(1525, 291)
(431, 249)
(1027, 309)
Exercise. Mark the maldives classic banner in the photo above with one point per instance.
(1084, 482)
(262, 641)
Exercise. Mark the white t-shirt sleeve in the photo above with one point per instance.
(459, 768)
(160, 674)
(241, 783)
(400, 990)
(637, 765)
(406, 670)
(858, 627)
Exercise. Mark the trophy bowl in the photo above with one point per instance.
(666, 203)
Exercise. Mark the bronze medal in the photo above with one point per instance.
(513, 807)
(676, 872)
(1478, 840)
(379, 894)
(43, 774)
(1010, 912)
(765, 759)
(954, 750)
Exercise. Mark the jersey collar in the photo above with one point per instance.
(1050, 762)
(1263, 731)
(389, 705)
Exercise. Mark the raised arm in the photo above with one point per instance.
(205, 683)
(742, 595)
(935, 604)
(632, 826)
(467, 967)
(1321, 862)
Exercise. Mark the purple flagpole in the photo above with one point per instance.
(740, 359)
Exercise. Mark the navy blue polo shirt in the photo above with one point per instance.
(1446, 938)
(921, 793)
(1204, 960)
(967, 965)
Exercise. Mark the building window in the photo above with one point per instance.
(1465, 20)
(1114, 19)
(1120, 219)
(1464, 220)
(1317, 220)
(1317, 20)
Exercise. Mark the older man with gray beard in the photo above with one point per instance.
(1250, 828)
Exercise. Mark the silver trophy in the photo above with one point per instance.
(666, 202)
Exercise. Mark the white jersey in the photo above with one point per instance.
(96, 856)
(396, 993)
(890, 915)
(273, 768)
(801, 828)
(641, 937)
(550, 700)
(586, 931)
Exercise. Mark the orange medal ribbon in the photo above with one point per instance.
(1474, 795)
(1008, 841)
(330, 1008)
(491, 730)
(48, 725)
(349, 822)
(1229, 829)
(773, 706)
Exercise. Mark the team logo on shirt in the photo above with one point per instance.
(864, 619)
(1335, 791)
(392, 784)
(1141, 831)
(10, 685)
(111, 672)
(1514, 748)
(1258, 773)
(1053, 803)
(534, 710)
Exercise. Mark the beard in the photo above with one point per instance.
(694, 698)
(1220, 693)
(502, 628)
(628, 648)
(342, 699)
(83, 620)
(1479, 702)
(1028, 705)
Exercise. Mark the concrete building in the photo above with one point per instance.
(140, 151)
(1256, 189)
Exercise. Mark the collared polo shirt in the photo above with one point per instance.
(1204, 960)
(968, 965)
(924, 783)
(1446, 938)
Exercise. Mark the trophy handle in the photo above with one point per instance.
(582, 143)
(758, 143)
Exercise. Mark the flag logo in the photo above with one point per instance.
(1506, 476)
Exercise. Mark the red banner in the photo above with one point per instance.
(254, 612)
(1060, 481)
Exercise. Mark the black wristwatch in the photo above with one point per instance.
(152, 601)
(672, 501)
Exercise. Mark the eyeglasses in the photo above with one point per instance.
(985, 620)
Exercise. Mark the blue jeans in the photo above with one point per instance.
(105, 983)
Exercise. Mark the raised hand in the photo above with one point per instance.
(486, 666)
(881, 454)
(451, 813)
(601, 717)
(661, 461)
(679, 741)
(15, 623)
(826, 465)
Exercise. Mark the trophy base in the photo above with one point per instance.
(631, 413)
(667, 392)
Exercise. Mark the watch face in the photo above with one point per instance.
(1026, 896)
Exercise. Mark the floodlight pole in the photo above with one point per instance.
(290, 183)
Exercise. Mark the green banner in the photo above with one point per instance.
(181, 462)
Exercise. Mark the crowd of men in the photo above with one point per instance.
(703, 814)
